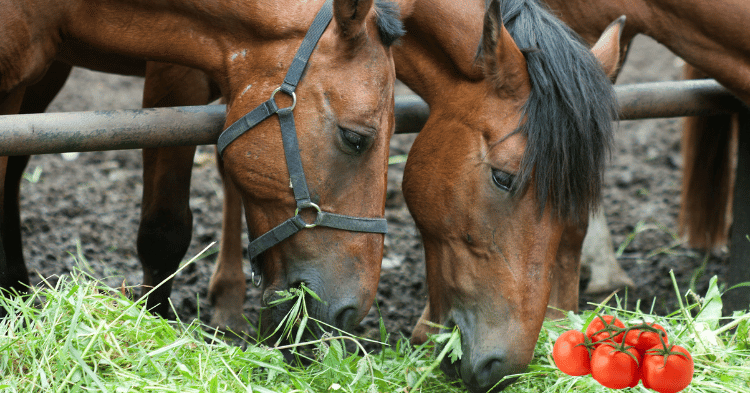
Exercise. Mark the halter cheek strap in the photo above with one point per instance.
(291, 152)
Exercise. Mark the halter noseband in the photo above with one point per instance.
(291, 152)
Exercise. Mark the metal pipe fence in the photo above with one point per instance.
(201, 125)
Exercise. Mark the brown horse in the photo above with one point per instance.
(342, 128)
(504, 168)
(709, 36)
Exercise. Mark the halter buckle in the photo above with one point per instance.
(289, 93)
(306, 205)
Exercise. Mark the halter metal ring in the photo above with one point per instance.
(256, 279)
(306, 205)
(294, 98)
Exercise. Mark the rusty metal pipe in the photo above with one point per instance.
(110, 130)
(201, 125)
(699, 97)
(637, 101)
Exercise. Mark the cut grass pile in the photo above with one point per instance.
(84, 337)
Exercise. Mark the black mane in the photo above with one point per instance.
(568, 119)
(389, 22)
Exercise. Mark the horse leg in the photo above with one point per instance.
(227, 287)
(14, 276)
(599, 258)
(707, 176)
(33, 99)
(566, 272)
(39, 95)
(13, 273)
(419, 334)
(166, 224)
(166, 220)
(17, 276)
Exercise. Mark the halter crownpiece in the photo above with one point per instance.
(291, 151)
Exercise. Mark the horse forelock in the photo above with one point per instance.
(388, 21)
(568, 118)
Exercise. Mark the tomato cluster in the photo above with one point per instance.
(617, 356)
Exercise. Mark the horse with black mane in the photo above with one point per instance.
(506, 169)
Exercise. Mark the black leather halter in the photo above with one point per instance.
(293, 159)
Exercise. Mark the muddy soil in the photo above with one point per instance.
(88, 208)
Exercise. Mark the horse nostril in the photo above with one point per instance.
(491, 370)
(346, 318)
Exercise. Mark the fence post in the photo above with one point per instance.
(739, 255)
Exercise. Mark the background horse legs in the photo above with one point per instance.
(226, 291)
(12, 265)
(598, 257)
(13, 273)
(715, 191)
(166, 220)
(708, 151)
(33, 99)
(566, 272)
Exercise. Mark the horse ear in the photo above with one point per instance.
(350, 17)
(607, 49)
(502, 60)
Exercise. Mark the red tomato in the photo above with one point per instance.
(613, 368)
(645, 383)
(570, 353)
(599, 323)
(668, 376)
(643, 340)
(637, 375)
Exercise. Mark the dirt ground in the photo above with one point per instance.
(90, 205)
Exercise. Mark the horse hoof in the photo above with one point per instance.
(230, 323)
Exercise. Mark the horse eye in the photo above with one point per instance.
(503, 180)
(356, 141)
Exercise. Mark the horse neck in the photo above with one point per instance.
(589, 18)
(710, 35)
(202, 34)
(439, 48)
(189, 32)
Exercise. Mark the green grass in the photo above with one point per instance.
(85, 337)
(82, 337)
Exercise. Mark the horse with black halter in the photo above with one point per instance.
(332, 127)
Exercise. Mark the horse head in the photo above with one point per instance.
(496, 174)
(314, 192)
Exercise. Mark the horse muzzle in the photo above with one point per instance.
(341, 305)
(490, 355)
